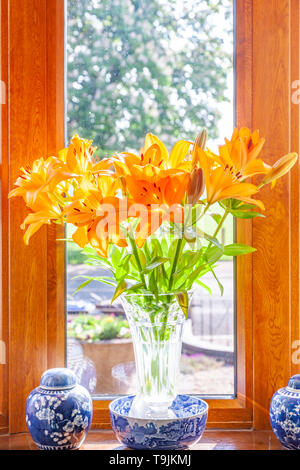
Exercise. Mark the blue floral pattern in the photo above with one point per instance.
(59, 419)
(179, 433)
(285, 417)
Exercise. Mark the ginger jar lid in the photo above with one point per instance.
(58, 379)
(294, 382)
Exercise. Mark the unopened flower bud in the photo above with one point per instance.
(280, 168)
(196, 185)
(123, 185)
(200, 142)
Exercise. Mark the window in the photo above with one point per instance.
(134, 67)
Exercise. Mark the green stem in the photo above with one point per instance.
(220, 223)
(147, 252)
(177, 253)
(138, 261)
(219, 226)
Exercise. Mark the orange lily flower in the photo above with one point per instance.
(79, 157)
(97, 213)
(32, 180)
(168, 190)
(221, 183)
(75, 161)
(154, 176)
(45, 213)
(45, 206)
(107, 184)
(154, 161)
(239, 155)
(98, 220)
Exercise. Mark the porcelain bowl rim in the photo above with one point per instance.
(160, 420)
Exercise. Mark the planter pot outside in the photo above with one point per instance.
(105, 355)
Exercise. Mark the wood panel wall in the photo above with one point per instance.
(276, 262)
(36, 128)
(4, 222)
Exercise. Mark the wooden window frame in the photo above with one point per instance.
(32, 307)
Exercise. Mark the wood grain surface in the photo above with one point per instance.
(55, 141)
(276, 262)
(211, 440)
(4, 285)
(36, 128)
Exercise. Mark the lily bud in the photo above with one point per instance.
(280, 168)
(123, 185)
(196, 186)
(200, 142)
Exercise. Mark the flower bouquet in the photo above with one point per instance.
(140, 218)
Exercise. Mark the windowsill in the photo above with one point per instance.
(211, 440)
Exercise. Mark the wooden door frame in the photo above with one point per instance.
(33, 313)
(32, 277)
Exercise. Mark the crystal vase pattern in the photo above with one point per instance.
(156, 325)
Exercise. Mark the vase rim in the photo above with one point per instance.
(150, 294)
(205, 410)
(146, 323)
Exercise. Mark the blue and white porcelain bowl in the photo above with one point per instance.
(59, 411)
(285, 414)
(181, 432)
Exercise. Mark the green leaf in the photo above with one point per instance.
(153, 283)
(238, 249)
(156, 247)
(190, 258)
(172, 248)
(199, 272)
(104, 279)
(205, 286)
(121, 287)
(135, 287)
(219, 283)
(211, 239)
(155, 262)
(244, 207)
(85, 283)
(142, 258)
(122, 269)
(115, 255)
(213, 254)
(183, 300)
(196, 213)
(165, 247)
(125, 260)
(90, 251)
(246, 215)
(217, 218)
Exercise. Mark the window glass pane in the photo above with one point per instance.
(165, 67)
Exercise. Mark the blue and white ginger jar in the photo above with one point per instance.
(59, 411)
(285, 414)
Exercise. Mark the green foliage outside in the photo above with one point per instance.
(98, 328)
(138, 66)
